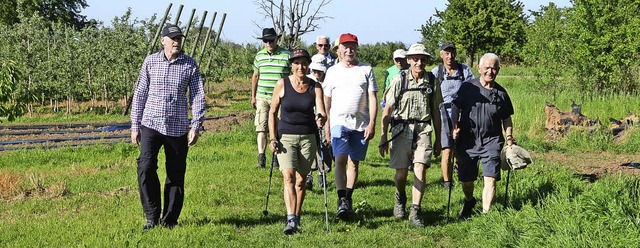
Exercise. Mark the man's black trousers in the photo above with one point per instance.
(175, 150)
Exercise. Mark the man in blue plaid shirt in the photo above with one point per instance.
(159, 117)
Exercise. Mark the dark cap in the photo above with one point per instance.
(299, 53)
(448, 45)
(269, 34)
(171, 31)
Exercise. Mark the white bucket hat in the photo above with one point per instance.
(318, 62)
(400, 53)
(418, 49)
(514, 158)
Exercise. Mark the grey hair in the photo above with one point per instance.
(323, 37)
(490, 57)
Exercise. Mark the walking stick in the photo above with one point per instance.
(324, 184)
(506, 190)
(451, 160)
(266, 205)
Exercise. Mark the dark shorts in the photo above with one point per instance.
(468, 165)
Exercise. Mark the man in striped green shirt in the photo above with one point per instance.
(269, 65)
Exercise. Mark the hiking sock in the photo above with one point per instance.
(349, 193)
(342, 193)
(415, 206)
(401, 197)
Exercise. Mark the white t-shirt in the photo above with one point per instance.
(349, 91)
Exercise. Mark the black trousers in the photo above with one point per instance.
(175, 150)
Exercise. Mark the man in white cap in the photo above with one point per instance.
(411, 129)
(351, 103)
(399, 63)
(318, 69)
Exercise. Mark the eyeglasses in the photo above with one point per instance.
(421, 59)
(323, 45)
(269, 41)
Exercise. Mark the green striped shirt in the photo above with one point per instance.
(271, 67)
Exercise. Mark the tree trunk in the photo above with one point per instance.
(470, 54)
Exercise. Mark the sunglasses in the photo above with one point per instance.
(323, 45)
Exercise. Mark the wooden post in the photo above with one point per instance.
(186, 33)
(195, 45)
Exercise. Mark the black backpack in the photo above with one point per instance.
(431, 86)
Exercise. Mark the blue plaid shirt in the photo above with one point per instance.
(160, 98)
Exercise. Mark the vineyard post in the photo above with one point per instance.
(206, 38)
(195, 45)
(151, 48)
(186, 34)
(215, 42)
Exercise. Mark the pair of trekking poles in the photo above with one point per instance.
(324, 183)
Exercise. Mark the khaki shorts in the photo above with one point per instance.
(262, 114)
(297, 151)
(412, 146)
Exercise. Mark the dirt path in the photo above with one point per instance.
(591, 163)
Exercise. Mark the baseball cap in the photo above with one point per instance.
(299, 53)
(172, 31)
(348, 37)
(448, 45)
(400, 53)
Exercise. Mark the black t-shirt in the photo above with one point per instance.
(481, 114)
(297, 114)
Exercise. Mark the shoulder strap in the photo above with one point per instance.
(440, 73)
(403, 86)
(460, 72)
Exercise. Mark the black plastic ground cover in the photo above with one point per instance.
(61, 145)
(82, 138)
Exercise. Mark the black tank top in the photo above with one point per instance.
(297, 115)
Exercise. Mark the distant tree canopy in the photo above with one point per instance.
(480, 26)
(64, 11)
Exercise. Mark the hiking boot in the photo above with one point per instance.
(149, 224)
(309, 182)
(290, 227)
(262, 161)
(467, 209)
(343, 208)
(415, 216)
(447, 185)
(400, 206)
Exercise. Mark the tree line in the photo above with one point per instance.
(591, 46)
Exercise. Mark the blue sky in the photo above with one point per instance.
(371, 20)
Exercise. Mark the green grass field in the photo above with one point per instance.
(88, 196)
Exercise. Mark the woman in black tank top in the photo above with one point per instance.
(295, 142)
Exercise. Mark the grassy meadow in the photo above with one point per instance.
(87, 196)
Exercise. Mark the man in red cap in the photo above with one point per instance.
(351, 103)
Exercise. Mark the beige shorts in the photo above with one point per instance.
(262, 114)
(412, 146)
(297, 152)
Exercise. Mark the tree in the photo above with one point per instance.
(65, 11)
(547, 47)
(606, 39)
(432, 35)
(294, 19)
(484, 26)
(10, 108)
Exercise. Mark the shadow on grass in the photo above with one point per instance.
(532, 195)
(375, 182)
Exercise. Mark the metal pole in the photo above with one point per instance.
(186, 34)
(195, 45)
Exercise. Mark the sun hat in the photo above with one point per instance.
(269, 34)
(514, 157)
(318, 62)
(418, 49)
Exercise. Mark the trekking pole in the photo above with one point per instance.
(452, 160)
(324, 184)
(266, 205)
(506, 189)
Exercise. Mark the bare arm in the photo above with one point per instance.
(254, 88)
(507, 124)
(327, 124)
(278, 92)
(383, 148)
(370, 131)
(320, 106)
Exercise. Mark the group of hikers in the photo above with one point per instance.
(320, 109)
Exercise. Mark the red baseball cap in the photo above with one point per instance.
(348, 37)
